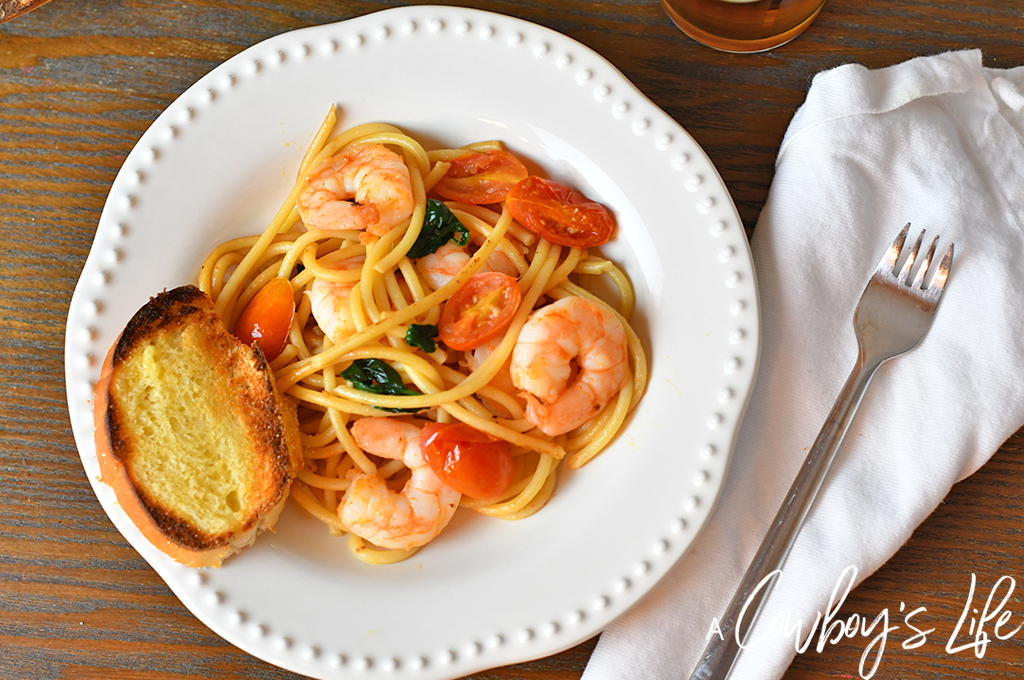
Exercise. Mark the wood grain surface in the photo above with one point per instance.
(80, 81)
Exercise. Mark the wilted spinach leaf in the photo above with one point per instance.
(422, 336)
(439, 227)
(377, 377)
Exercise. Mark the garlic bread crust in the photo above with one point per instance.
(196, 440)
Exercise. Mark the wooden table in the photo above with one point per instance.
(79, 84)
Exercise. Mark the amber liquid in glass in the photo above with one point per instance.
(738, 26)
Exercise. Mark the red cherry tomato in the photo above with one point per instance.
(267, 318)
(481, 178)
(468, 460)
(559, 214)
(479, 310)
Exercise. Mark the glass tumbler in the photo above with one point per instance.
(743, 25)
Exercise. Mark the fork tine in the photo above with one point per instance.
(923, 269)
(905, 272)
(940, 276)
(888, 263)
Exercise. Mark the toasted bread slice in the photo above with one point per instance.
(191, 432)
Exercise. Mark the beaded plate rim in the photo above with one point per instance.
(604, 101)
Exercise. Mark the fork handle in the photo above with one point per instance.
(720, 655)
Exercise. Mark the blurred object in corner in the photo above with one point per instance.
(743, 25)
(11, 9)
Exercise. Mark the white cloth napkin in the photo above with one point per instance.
(935, 141)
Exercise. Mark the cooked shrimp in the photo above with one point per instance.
(405, 519)
(439, 267)
(502, 380)
(366, 187)
(329, 304)
(330, 307)
(542, 363)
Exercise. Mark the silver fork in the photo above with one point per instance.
(892, 317)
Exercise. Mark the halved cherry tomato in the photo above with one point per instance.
(468, 460)
(479, 310)
(481, 178)
(559, 214)
(267, 318)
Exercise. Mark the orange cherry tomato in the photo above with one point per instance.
(559, 214)
(267, 318)
(468, 460)
(479, 310)
(481, 178)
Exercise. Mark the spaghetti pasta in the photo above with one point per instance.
(374, 280)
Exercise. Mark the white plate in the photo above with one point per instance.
(217, 163)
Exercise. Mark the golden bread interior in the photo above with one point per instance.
(195, 419)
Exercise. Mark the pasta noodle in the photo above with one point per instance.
(381, 292)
